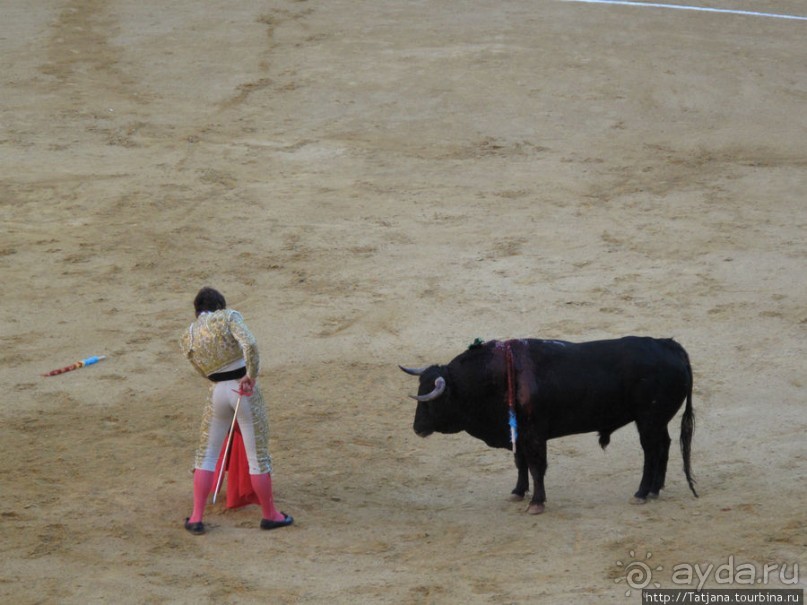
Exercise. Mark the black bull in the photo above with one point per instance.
(559, 388)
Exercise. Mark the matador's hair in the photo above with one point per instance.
(208, 299)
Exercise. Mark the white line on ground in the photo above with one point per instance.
(693, 8)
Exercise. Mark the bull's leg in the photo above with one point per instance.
(523, 483)
(652, 442)
(660, 472)
(536, 459)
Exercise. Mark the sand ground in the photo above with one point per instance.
(373, 183)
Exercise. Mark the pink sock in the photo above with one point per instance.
(262, 484)
(202, 484)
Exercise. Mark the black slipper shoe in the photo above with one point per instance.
(197, 529)
(267, 524)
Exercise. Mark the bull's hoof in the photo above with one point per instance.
(637, 500)
(535, 509)
(516, 497)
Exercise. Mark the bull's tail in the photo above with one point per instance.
(687, 429)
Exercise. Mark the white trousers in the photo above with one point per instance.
(252, 421)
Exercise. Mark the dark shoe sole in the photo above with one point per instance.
(197, 529)
(267, 524)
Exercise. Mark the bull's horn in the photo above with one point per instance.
(439, 387)
(414, 371)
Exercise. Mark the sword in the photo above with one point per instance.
(227, 449)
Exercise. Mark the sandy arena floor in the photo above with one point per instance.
(373, 183)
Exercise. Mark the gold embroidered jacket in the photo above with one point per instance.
(218, 339)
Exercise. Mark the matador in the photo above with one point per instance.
(221, 348)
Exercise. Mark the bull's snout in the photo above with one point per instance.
(422, 424)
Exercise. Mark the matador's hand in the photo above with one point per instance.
(246, 386)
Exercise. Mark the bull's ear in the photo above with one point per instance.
(414, 371)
